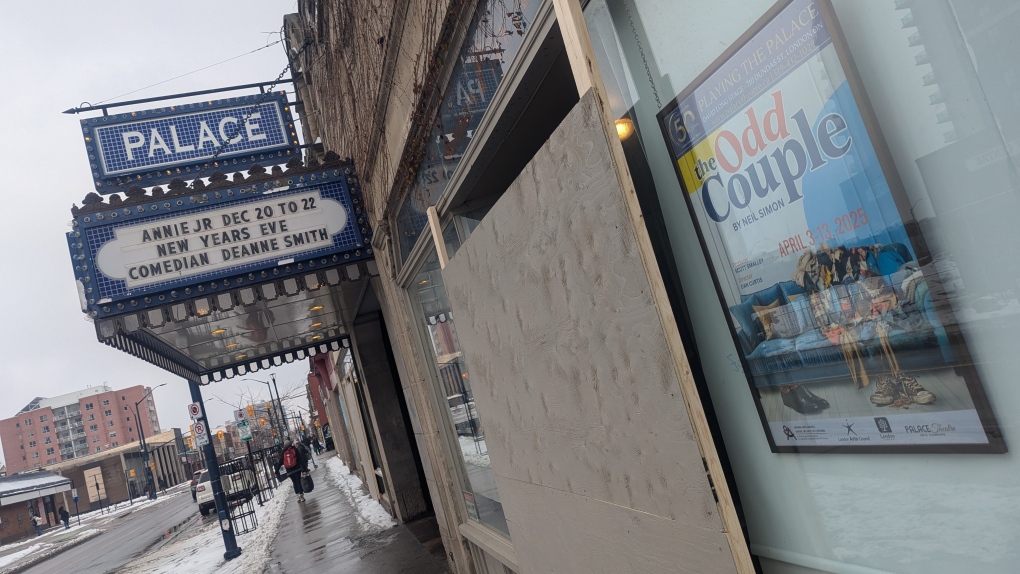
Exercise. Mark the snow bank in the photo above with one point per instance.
(199, 549)
(12, 558)
(475, 452)
(370, 512)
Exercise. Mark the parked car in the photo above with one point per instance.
(233, 486)
(194, 484)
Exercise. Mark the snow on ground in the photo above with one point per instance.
(42, 550)
(369, 510)
(90, 521)
(475, 452)
(199, 548)
(11, 558)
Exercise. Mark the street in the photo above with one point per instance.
(125, 537)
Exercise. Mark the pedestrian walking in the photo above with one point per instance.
(65, 518)
(294, 463)
(317, 445)
(306, 444)
(37, 522)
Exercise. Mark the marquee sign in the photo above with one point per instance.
(159, 250)
(150, 147)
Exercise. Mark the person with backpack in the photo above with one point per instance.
(37, 522)
(294, 463)
(306, 444)
(65, 518)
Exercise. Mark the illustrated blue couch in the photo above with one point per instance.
(804, 354)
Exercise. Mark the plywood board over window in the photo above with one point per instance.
(95, 485)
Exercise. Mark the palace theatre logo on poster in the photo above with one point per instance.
(765, 160)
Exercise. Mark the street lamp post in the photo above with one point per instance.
(145, 449)
(279, 401)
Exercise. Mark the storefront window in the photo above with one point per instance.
(493, 39)
(838, 183)
(481, 496)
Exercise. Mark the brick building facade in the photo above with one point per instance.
(51, 430)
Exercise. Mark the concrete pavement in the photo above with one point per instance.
(327, 534)
(126, 536)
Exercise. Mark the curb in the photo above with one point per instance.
(50, 553)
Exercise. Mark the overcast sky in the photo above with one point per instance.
(58, 55)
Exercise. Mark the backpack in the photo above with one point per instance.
(290, 457)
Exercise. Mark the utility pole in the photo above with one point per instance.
(150, 483)
(279, 400)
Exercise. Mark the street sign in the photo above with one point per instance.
(240, 415)
(74, 494)
(201, 436)
(195, 411)
(244, 429)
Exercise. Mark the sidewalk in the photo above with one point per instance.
(341, 529)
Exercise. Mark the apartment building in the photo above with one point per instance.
(51, 430)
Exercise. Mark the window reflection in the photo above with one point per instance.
(455, 387)
(494, 37)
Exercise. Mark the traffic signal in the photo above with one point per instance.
(262, 421)
(219, 434)
(316, 423)
(269, 406)
(250, 409)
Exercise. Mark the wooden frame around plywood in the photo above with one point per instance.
(588, 77)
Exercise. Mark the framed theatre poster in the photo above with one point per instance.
(845, 333)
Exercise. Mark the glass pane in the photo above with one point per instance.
(451, 239)
(470, 220)
(455, 387)
(411, 221)
(918, 271)
(494, 37)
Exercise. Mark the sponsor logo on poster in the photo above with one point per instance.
(930, 429)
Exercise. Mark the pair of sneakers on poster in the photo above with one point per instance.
(802, 400)
(901, 388)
